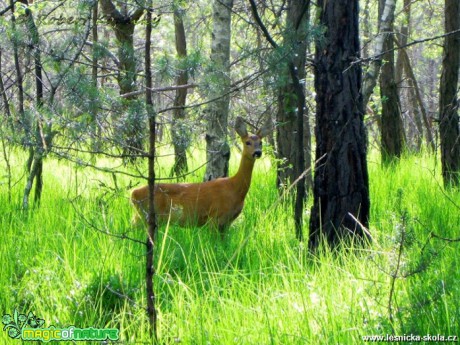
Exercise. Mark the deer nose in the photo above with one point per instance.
(257, 154)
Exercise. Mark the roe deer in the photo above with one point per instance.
(217, 202)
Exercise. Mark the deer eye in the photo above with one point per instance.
(248, 143)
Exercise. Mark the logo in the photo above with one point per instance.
(14, 324)
(29, 327)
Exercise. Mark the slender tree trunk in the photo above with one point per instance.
(6, 103)
(341, 183)
(385, 29)
(299, 13)
(151, 219)
(23, 120)
(418, 96)
(392, 136)
(123, 24)
(366, 29)
(10, 125)
(179, 133)
(42, 141)
(448, 102)
(416, 101)
(416, 115)
(94, 69)
(290, 105)
(414, 136)
(402, 40)
(7, 159)
(217, 149)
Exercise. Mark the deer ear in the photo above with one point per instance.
(240, 127)
(265, 130)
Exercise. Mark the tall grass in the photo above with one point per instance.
(65, 262)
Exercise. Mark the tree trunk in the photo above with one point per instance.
(23, 120)
(294, 92)
(123, 25)
(366, 29)
(448, 102)
(42, 141)
(151, 218)
(217, 149)
(178, 129)
(418, 96)
(410, 114)
(392, 136)
(6, 103)
(290, 105)
(385, 27)
(341, 184)
(94, 129)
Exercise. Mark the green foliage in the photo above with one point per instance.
(164, 66)
(257, 285)
(192, 63)
(168, 66)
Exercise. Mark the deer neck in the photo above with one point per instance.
(242, 179)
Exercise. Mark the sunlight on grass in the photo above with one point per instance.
(67, 262)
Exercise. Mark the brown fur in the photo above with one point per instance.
(217, 202)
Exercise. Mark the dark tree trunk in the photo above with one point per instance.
(341, 185)
(292, 116)
(178, 130)
(448, 103)
(151, 219)
(392, 136)
(290, 105)
(294, 95)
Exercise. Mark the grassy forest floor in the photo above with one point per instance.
(65, 262)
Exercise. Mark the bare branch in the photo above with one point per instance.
(160, 89)
(261, 25)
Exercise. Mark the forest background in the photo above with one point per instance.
(98, 97)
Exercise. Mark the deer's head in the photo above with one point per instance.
(252, 143)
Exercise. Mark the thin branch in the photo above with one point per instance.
(122, 236)
(6, 9)
(414, 42)
(108, 52)
(433, 235)
(160, 89)
(261, 25)
(234, 88)
(82, 163)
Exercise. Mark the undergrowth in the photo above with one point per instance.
(76, 260)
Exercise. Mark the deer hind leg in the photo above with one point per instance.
(223, 230)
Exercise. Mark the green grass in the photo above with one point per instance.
(257, 286)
